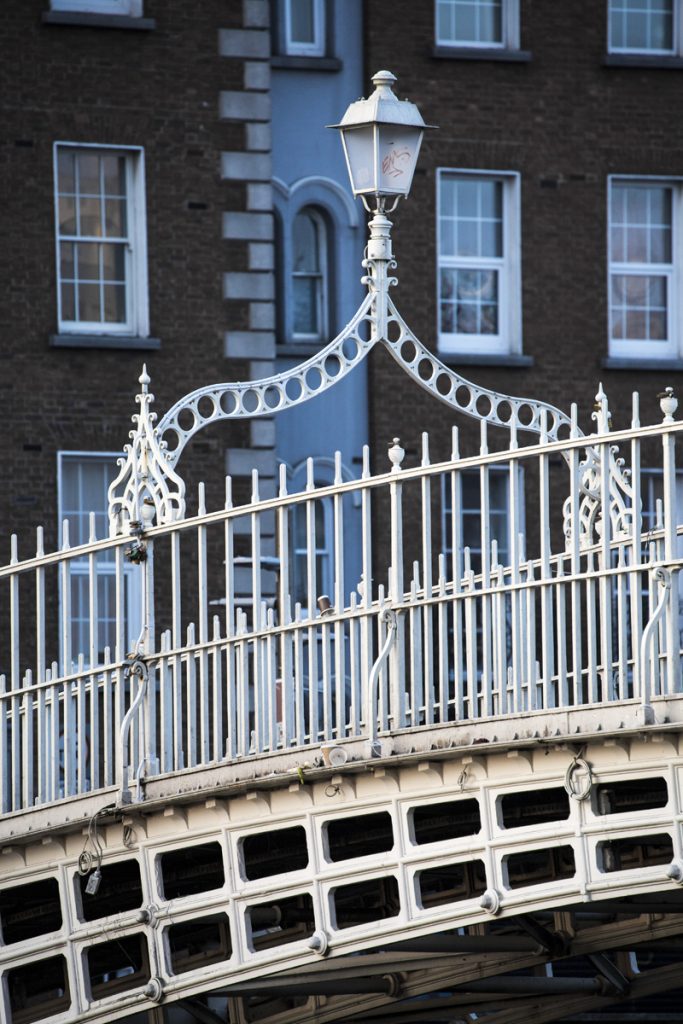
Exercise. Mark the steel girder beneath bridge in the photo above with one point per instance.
(610, 955)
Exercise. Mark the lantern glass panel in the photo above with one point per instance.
(398, 150)
(359, 148)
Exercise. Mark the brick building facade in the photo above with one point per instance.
(565, 109)
(146, 127)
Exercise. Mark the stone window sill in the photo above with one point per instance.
(481, 53)
(299, 350)
(283, 60)
(454, 359)
(83, 20)
(117, 341)
(616, 363)
(642, 60)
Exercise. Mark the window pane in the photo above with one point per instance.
(114, 303)
(68, 302)
(306, 305)
(88, 261)
(639, 307)
(113, 263)
(114, 175)
(641, 25)
(89, 302)
(67, 215)
(302, 26)
(641, 223)
(467, 22)
(89, 174)
(306, 243)
(66, 181)
(66, 261)
(90, 212)
(98, 208)
(115, 218)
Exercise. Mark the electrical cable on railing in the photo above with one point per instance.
(95, 854)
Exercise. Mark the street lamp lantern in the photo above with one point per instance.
(381, 136)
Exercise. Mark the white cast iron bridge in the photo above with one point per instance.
(446, 790)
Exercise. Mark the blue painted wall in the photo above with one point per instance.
(309, 167)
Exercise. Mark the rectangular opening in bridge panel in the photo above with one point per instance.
(30, 910)
(38, 990)
(118, 965)
(432, 823)
(359, 836)
(120, 889)
(199, 943)
(373, 900)
(275, 852)
(450, 883)
(534, 867)
(280, 921)
(630, 795)
(534, 807)
(192, 869)
(635, 852)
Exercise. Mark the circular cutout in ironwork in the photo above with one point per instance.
(251, 401)
(425, 369)
(444, 384)
(273, 397)
(408, 351)
(314, 378)
(350, 349)
(483, 405)
(187, 420)
(294, 389)
(229, 403)
(332, 366)
(394, 331)
(364, 330)
(463, 396)
(206, 407)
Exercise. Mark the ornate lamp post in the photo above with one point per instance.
(381, 137)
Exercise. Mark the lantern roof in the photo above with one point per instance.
(382, 107)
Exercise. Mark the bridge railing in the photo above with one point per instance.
(485, 586)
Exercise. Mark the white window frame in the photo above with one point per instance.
(677, 37)
(509, 30)
(322, 292)
(137, 308)
(131, 8)
(294, 48)
(508, 341)
(672, 348)
(80, 567)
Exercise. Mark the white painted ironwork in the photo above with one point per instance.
(434, 635)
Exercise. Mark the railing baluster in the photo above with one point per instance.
(546, 595)
(6, 730)
(456, 554)
(287, 698)
(415, 627)
(191, 698)
(165, 705)
(561, 636)
(427, 612)
(485, 601)
(107, 723)
(218, 741)
(339, 598)
(605, 581)
(40, 668)
(27, 739)
(636, 552)
(395, 591)
(203, 615)
(575, 563)
(672, 628)
(365, 590)
(442, 643)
